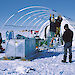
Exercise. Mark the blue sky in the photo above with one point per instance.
(8, 7)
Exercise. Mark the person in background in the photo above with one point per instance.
(11, 35)
(67, 37)
(52, 28)
(7, 35)
(1, 49)
(0, 41)
(58, 25)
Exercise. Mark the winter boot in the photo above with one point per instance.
(70, 58)
(70, 61)
(64, 60)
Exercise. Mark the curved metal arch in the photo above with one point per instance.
(37, 26)
(43, 20)
(28, 14)
(25, 9)
(33, 20)
(40, 24)
(43, 15)
(33, 7)
(34, 15)
(38, 21)
(8, 19)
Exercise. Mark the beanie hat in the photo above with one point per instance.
(66, 26)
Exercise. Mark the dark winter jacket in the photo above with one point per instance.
(68, 36)
(0, 38)
(58, 22)
(52, 27)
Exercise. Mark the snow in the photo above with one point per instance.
(43, 65)
(47, 62)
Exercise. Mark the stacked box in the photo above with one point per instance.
(20, 47)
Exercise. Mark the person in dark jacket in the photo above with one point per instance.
(0, 41)
(52, 29)
(1, 49)
(67, 37)
(52, 26)
(58, 25)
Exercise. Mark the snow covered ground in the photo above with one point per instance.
(47, 62)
